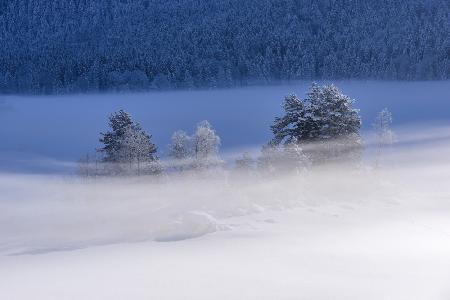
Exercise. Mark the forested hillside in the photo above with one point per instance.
(63, 46)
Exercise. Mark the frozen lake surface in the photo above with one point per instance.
(46, 133)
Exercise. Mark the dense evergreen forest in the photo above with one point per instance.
(64, 46)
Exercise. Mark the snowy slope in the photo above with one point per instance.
(334, 252)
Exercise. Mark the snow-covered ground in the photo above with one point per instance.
(336, 252)
(331, 233)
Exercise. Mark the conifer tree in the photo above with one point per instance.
(127, 147)
(325, 123)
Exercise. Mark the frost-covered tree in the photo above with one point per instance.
(325, 123)
(128, 147)
(119, 122)
(383, 133)
(332, 114)
(138, 152)
(199, 151)
(205, 146)
(294, 124)
(334, 125)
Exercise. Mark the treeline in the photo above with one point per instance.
(64, 46)
(322, 128)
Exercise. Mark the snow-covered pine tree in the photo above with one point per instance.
(325, 124)
(293, 124)
(332, 113)
(334, 125)
(118, 122)
(128, 146)
(383, 133)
